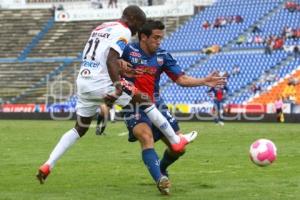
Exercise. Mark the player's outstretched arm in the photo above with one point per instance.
(211, 80)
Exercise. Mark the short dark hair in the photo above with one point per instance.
(135, 12)
(149, 26)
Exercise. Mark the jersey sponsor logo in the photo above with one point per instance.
(143, 62)
(99, 34)
(122, 43)
(135, 60)
(85, 73)
(63, 16)
(147, 70)
(138, 61)
(135, 54)
(90, 64)
(160, 61)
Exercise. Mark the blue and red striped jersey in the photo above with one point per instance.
(152, 66)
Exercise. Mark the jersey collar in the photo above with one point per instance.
(125, 25)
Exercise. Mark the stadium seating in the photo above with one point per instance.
(287, 73)
(65, 39)
(192, 37)
(252, 65)
(18, 27)
(19, 77)
(275, 26)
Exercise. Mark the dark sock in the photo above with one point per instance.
(167, 160)
(100, 118)
(101, 124)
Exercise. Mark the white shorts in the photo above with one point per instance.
(88, 103)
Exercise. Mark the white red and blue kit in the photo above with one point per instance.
(93, 81)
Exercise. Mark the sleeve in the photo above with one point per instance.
(125, 55)
(120, 39)
(171, 68)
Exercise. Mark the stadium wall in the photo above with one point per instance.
(238, 117)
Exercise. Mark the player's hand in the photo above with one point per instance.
(110, 98)
(214, 79)
(127, 70)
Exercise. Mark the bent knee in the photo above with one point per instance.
(144, 135)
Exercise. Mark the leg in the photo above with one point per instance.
(66, 141)
(178, 143)
(144, 134)
(220, 113)
(102, 119)
(216, 111)
(112, 113)
(169, 158)
(145, 103)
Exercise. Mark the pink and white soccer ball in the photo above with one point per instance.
(263, 152)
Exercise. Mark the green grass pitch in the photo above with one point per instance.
(215, 167)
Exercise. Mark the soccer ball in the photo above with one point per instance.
(263, 152)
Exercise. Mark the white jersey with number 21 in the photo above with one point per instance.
(93, 72)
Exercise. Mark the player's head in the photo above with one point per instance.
(134, 17)
(150, 35)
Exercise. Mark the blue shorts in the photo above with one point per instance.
(218, 105)
(138, 116)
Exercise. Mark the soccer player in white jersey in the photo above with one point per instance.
(99, 81)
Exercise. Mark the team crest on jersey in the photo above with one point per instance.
(160, 60)
(122, 43)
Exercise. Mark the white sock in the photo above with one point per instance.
(65, 142)
(162, 124)
(112, 113)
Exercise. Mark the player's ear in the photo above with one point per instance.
(143, 36)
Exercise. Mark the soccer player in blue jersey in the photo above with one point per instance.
(219, 94)
(146, 57)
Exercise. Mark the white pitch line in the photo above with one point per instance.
(123, 133)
